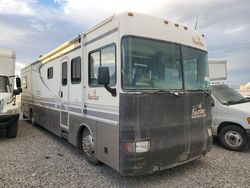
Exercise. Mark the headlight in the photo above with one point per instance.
(248, 120)
(138, 147)
(11, 111)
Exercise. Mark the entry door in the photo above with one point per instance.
(64, 94)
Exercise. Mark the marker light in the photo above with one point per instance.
(137, 147)
(248, 120)
(130, 14)
(165, 22)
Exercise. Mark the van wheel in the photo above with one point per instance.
(233, 137)
(88, 147)
(12, 131)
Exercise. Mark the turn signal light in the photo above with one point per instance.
(248, 120)
(130, 14)
(165, 22)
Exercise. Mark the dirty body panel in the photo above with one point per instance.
(177, 127)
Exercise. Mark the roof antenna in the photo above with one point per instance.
(196, 23)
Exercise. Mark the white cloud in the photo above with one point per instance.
(235, 29)
(22, 7)
(11, 34)
(20, 65)
(94, 11)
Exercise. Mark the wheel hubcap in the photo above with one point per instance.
(88, 145)
(233, 138)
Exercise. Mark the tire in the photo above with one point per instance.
(88, 147)
(12, 131)
(233, 137)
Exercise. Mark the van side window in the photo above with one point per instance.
(105, 56)
(64, 74)
(50, 73)
(76, 70)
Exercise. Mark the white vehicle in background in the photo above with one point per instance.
(231, 117)
(9, 113)
(230, 110)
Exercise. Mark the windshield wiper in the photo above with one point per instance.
(204, 91)
(235, 102)
(176, 94)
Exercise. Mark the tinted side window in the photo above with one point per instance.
(103, 57)
(76, 70)
(64, 74)
(50, 73)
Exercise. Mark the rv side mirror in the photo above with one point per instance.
(103, 76)
(103, 79)
(18, 82)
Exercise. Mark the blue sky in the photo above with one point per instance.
(34, 27)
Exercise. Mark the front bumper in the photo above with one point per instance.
(8, 120)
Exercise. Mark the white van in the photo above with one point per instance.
(231, 117)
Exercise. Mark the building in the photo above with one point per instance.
(245, 89)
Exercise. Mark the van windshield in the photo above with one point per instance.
(4, 82)
(149, 64)
(227, 95)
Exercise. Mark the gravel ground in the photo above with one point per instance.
(37, 158)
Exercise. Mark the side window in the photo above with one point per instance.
(76, 70)
(104, 57)
(50, 73)
(108, 60)
(64, 74)
(24, 82)
(94, 63)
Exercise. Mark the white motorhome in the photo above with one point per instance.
(9, 113)
(230, 110)
(118, 92)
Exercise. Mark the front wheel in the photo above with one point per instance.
(88, 147)
(12, 131)
(233, 138)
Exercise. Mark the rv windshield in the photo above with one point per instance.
(4, 82)
(227, 95)
(151, 65)
(157, 65)
(195, 65)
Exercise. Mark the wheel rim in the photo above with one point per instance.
(233, 138)
(88, 145)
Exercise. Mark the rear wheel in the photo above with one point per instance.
(12, 131)
(88, 147)
(233, 138)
